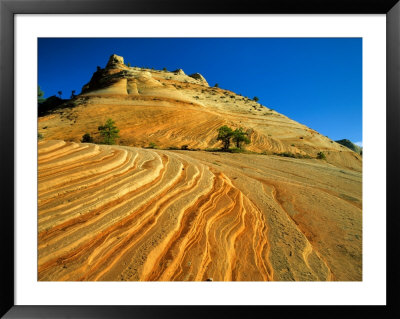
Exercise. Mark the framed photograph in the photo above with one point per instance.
(163, 159)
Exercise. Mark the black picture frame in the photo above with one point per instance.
(8, 8)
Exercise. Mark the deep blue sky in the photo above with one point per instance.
(317, 82)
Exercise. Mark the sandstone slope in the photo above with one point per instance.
(172, 109)
(127, 213)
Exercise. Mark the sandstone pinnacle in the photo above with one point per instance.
(115, 61)
(179, 71)
(199, 77)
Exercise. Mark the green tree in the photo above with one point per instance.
(40, 95)
(40, 92)
(73, 94)
(225, 134)
(255, 99)
(109, 132)
(128, 64)
(240, 137)
(59, 93)
(216, 85)
(86, 138)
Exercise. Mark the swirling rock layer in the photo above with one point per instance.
(122, 213)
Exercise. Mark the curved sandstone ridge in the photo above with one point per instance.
(123, 213)
(172, 109)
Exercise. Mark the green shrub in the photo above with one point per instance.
(321, 155)
(256, 99)
(236, 150)
(293, 155)
(184, 147)
(40, 136)
(86, 138)
(212, 150)
(288, 154)
(152, 145)
(303, 156)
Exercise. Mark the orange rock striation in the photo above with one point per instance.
(125, 213)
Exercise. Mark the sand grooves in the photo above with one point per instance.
(115, 213)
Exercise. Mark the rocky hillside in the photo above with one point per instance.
(171, 109)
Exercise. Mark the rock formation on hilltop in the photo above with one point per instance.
(179, 71)
(199, 77)
(115, 61)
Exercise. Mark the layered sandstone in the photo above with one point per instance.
(122, 213)
(127, 213)
(171, 109)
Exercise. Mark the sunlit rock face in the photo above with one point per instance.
(166, 204)
(115, 61)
